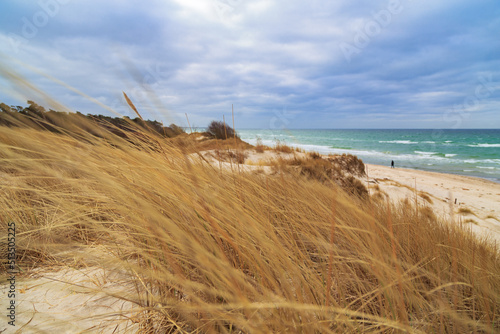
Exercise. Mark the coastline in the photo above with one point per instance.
(472, 177)
(476, 198)
(469, 152)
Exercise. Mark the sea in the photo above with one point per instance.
(464, 152)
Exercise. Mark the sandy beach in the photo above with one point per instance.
(475, 201)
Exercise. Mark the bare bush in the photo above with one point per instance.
(220, 130)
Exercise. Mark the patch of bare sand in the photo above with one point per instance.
(254, 161)
(70, 301)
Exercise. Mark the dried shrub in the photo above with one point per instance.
(465, 211)
(315, 155)
(238, 157)
(220, 130)
(425, 196)
(173, 130)
(325, 170)
(349, 163)
(259, 147)
(283, 148)
(231, 156)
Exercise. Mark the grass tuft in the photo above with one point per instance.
(465, 211)
(425, 196)
(260, 148)
(471, 221)
(283, 148)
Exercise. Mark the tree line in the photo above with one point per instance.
(36, 116)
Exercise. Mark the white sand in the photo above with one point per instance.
(481, 197)
(69, 301)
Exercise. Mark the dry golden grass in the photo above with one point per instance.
(233, 156)
(259, 147)
(338, 169)
(471, 221)
(425, 196)
(213, 251)
(314, 155)
(466, 211)
(196, 142)
(283, 148)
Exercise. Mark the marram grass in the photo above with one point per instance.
(206, 250)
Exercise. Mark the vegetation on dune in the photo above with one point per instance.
(259, 147)
(220, 130)
(208, 250)
(37, 117)
(231, 155)
(283, 148)
(465, 211)
(425, 196)
(348, 163)
(198, 142)
(339, 169)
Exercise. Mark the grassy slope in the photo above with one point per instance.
(213, 251)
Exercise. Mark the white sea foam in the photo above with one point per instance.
(449, 155)
(420, 156)
(484, 145)
(426, 153)
(488, 161)
(406, 142)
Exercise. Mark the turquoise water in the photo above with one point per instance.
(464, 152)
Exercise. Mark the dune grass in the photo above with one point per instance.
(219, 251)
(284, 148)
(259, 147)
(426, 196)
(466, 211)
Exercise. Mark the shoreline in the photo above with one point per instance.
(468, 152)
(492, 180)
(474, 200)
(472, 177)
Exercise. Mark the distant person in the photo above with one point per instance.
(392, 164)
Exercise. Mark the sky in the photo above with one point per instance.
(281, 64)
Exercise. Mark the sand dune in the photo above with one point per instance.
(70, 300)
(475, 201)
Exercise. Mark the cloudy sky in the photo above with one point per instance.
(282, 63)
